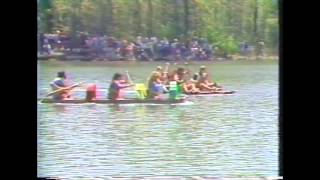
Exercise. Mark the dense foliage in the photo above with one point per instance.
(225, 23)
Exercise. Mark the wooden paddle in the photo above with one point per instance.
(65, 88)
(61, 89)
(129, 78)
(131, 82)
(166, 69)
(186, 65)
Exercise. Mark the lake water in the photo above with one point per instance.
(222, 136)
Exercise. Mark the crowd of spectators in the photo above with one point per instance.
(141, 48)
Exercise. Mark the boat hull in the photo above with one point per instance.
(210, 92)
(107, 101)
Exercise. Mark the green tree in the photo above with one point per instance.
(224, 22)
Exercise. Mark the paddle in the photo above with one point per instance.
(138, 87)
(65, 88)
(186, 65)
(166, 73)
(166, 69)
(129, 78)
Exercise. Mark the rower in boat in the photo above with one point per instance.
(60, 83)
(156, 88)
(185, 85)
(118, 83)
(202, 81)
(191, 87)
(163, 73)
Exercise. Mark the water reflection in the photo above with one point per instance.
(60, 108)
(116, 108)
(220, 136)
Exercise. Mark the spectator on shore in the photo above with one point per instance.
(246, 49)
(130, 51)
(142, 48)
(260, 48)
(41, 41)
(139, 40)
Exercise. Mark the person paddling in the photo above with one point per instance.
(187, 86)
(155, 86)
(118, 83)
(203, 82)
(60, 83)
(163, 74)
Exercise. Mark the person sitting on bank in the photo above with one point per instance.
(60, 83)
(118, 83)
(155, 86)
(203, 82)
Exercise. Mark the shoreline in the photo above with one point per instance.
(135, 63)
(89, 60)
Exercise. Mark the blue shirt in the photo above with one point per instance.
(156, 88)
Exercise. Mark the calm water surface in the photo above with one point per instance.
(233, 135)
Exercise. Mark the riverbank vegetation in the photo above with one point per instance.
(227, 24)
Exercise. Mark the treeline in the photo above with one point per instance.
(226, 23)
